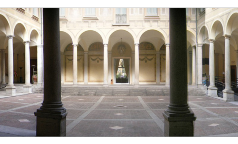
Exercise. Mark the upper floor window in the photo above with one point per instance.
(136, 11)
(152, 12)
(62, 12)
(90, 11)
(121, 16)
(163, 12)
(35, 12)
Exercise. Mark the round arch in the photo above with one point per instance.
(65, 39)
(25, 34)
(165, 36)
(37, 37)
(77, 38)
(202, 35)
(6, 22)
(229, 22)
(213, 29)
(118, 29)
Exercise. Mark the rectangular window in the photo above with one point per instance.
(163, 11)
(35, 12)
(62, 12)
(193, 11)
(90, 11)
(152, 12)
(121, 16)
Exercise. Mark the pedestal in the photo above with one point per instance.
(27, 88)
(228, 95)
(212, 91)
(49, 124)
(178, 124)
(10, 90)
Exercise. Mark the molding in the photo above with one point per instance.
(127, 24)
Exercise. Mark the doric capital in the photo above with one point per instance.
(105, 44)
(85, 52)
(10, 36)
(167, 44)
(227, 36)
(211, 40)
(136, 44)
(75, 44)
(40, 45)
(200, 44)
(194, 46)
(26, 41)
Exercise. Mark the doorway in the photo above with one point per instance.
(122, 70)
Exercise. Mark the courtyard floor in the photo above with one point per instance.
(117, 116)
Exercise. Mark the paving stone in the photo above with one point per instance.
(202, 114)
(158, 105)
(74, 114)
(121, 99)
(118, 114)
(29, 109)
(101, 128)
(10, 105)
(122, 92)
(155, 99)
(225, 112)
(77, 105)
(81, 99)
(114, 106)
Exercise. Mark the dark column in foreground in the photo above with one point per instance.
(51, 116)
(178, 119)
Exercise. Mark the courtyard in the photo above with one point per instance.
(117, 116)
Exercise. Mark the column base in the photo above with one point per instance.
(50, 123)
(212, 91)
(39, 84)
(27, 88)
(10, 90)
(228, 95)
(179, 124)
(105, 85)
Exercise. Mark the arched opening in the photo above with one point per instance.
(121, 57)
(152, 58)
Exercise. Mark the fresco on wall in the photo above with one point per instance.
(146, 46)
(97, 46)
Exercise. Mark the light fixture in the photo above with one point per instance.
(121, 48)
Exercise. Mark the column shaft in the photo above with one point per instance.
(167, 65)
(194, 66)
(105, 64)
(3, 66)
(237, 68)
(211, 64)
(109, 66)
(133, 67)
(228, 94)
(51, 117)
(40, 65)
(27, 64)
(75, 73)
(157, 67)
(10, 61)
(136, 81)
(85, 67)
(227, 64)
(199, 61)
(178, 116)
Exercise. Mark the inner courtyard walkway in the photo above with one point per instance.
(117, 116)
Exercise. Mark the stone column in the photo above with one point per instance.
(27, 87)
(75, 55)
(10, 88)
(133, 67)
(228, 94)
(51, 116)
(199, 62)
(194, 66)
(212, 90)
(136, 80)
(40, 65)
(178, 118)
(105, 65)
(167, 66)
(85, 67)
(157, 67)
(62, 67)
(237, 68)
(109, 66)
(3, 67)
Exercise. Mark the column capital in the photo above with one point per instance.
(10, 36)
(211, 40)
(26, 41)
(200, 44)
(85, 52)
(105, 44)
(40, 45)
(75, 44)
(167, 44)
(194, 46)
(227, 36)
(136, 44)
